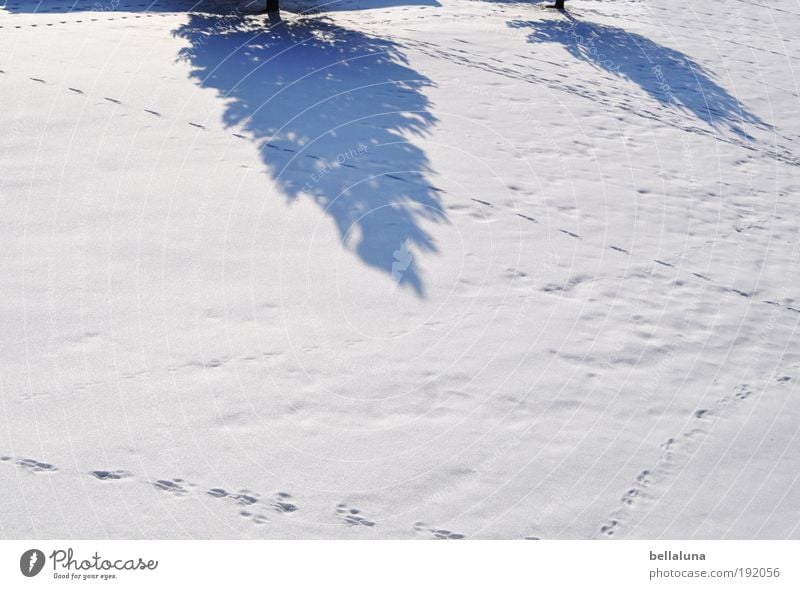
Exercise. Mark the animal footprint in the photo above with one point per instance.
(35, 466)
(243, 497)
(351, 516)
(259, 519)
(282, 503)
(256, 518)
(629, 497)
(609, 528)
(446, 535)
(668, 448)
(110, 475)
(174, 487)
(438, 533)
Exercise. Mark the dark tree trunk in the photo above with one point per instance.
(273, 5)
(559, 4)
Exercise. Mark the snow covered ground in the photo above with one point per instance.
(398, 269)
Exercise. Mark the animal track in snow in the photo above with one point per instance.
(351, 516)
(173, 486)
(257, 518)
(446, 535)
(110, 475)
(685, 444)
(282, 504)
(609, 528)
(279, 503)
(243, 497)
(527, 218)
(438, 533)
(31, 465)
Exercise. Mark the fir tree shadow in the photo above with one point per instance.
(666, 74)
(113, 6)
(328, 6)
(331, 111)
(226, 7)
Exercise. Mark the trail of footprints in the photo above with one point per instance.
(782, 154)
(723, 288)
(684, 444)
(110, 475)
(250, 504)
(29, 464)
(351, 517)
(436, 533)
(281, 503)
(253, 507)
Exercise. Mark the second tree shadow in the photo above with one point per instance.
(331, 111)
(666, 74)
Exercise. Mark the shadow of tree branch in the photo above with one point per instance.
(332, 111)
(665, 74)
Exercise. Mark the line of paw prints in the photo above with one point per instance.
(351, 516)
(484, 203)
(437, 533)
(110, 475)
(723, 288)
(691, 437)
(176, 487)
(29, 464)
(251, 505)
(280, 503)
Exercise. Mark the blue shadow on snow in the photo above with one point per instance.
(667, 75)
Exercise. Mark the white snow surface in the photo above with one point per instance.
(399, 269)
